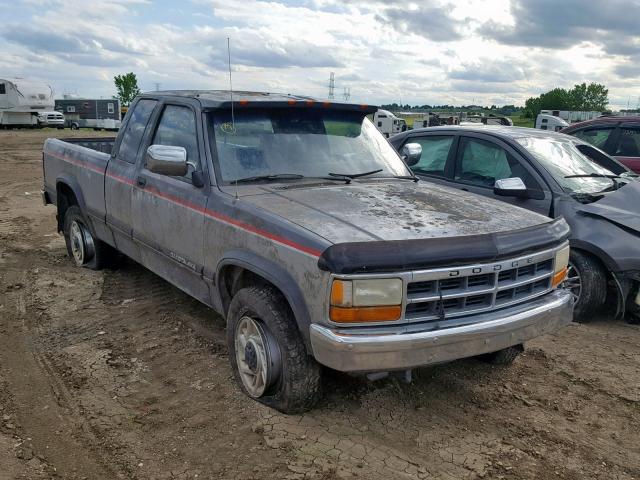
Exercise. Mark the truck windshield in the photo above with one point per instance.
(572, 169)
(309, 143)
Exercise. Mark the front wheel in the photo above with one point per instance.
(587, 281)
(269, 359)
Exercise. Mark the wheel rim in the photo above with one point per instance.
(256, 356)
(77, 242)
(573, 282)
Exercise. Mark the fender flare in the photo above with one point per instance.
(274, 274)
(597, 252)
(72, 183)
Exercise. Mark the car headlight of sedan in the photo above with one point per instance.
(366, 300)
(560, 266)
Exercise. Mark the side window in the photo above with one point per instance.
(435, 151)
(628, 143)
(134, 131)
(596, 136)
(177, 128)
(3, 89)
(481, 163)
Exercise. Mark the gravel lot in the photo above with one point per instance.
(117, 374)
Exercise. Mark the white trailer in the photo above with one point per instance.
(22, 100)
(388, 123)
(572, 116)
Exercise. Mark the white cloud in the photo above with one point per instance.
(433, 51)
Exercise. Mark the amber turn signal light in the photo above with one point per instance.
(559, 277)
(365, 314)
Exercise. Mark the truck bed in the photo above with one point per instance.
(100, 144)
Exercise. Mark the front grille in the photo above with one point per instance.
(445, 293)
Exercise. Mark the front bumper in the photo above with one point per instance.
(346, 351)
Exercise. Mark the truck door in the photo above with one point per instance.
(168, 211)
(120, 176)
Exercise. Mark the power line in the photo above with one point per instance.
(332, 85)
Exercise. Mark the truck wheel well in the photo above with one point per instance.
(234, 278)
(65, 198)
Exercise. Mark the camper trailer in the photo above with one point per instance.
(98, 114)
(572, 116)
(22, 100)
(388, 123)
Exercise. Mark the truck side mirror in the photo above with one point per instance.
(510, 187)
(167, 160)
(411, 153)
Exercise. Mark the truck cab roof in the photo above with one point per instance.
(221, 99)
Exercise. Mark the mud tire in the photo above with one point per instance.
(298, 385)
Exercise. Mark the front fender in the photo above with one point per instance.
(274, 274)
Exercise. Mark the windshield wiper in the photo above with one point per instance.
(275, 176)
(284, 176)
(354, 175)
(593, 174)
(613, 178)
(407, 177)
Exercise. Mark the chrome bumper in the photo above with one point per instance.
(349, 351)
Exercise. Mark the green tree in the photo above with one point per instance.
(592, 97)
(127, 86)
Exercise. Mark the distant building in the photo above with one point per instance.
(90, 113)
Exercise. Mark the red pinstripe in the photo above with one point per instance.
(196, 208)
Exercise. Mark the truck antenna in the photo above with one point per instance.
(233, 120)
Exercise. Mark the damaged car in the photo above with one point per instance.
(556, 175)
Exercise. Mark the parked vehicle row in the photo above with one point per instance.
(298, 222)
(554, 175)
(617, 136)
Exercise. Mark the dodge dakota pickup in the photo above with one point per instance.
(297, 221)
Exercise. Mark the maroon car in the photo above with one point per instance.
(618, 136)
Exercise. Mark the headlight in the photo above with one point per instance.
(560, 266)
(372, 300)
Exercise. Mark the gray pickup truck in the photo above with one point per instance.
(298, 222)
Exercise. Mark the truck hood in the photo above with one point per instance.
(390, 211)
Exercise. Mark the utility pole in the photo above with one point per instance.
(346, 93)
(157, 84)
(332, 85)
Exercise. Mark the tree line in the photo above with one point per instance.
(582, 97)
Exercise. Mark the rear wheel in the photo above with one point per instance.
(83, 249)
(267, 354)
(587, 281)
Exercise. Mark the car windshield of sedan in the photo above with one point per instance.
(562, 159)
(295, 143)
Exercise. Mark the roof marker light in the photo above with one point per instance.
(244, 102)
(310, 103)
(291, 102)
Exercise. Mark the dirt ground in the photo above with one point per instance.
(116, 374)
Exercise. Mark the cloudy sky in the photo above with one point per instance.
(431, 51)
